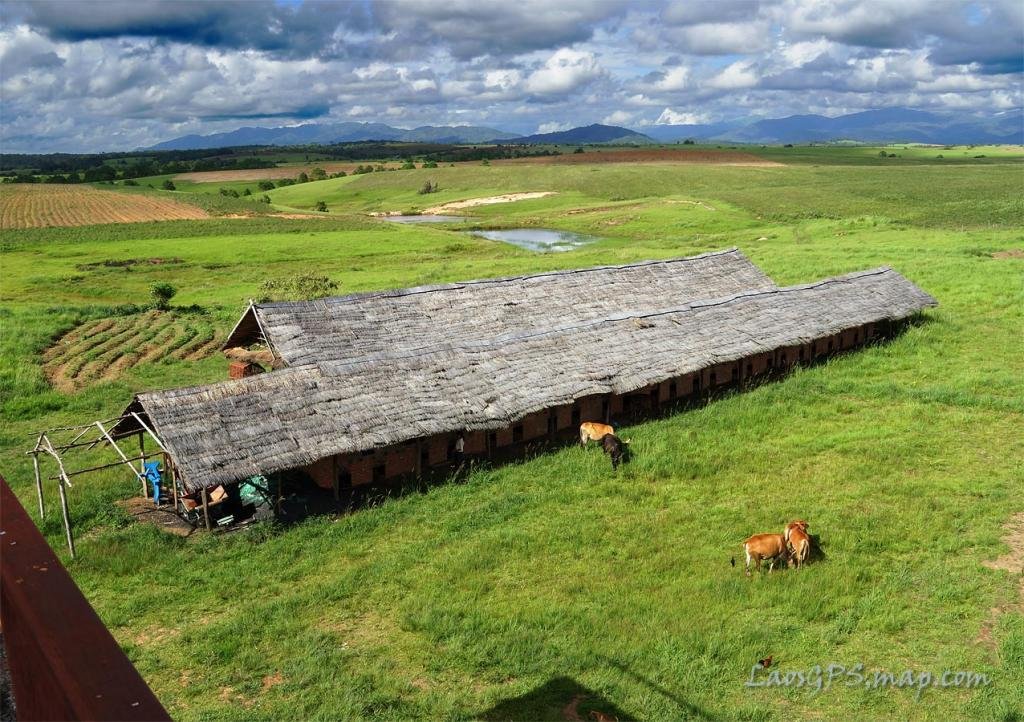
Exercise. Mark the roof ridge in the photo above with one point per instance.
(457, 285)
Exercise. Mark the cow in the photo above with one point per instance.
(798, 541)
(616, 448)
(594, 431)
(765, 546)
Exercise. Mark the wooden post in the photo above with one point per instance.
(206, 509)
(173, 474)
(39, 484)
(142, 466)
(67, 515)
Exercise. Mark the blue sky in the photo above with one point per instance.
(117, 74)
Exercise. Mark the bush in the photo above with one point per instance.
(264, 199)
(303, 178)
(168, 185)
(131, 182)
(300, 287)
(319, 174)
(247, 192)
(162, 293)
(229, 192)
(430, 164)
(485, 162)
(408, 165)
(428, 187)
(265, 185)
(321, 206)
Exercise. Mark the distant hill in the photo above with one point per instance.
(588, 135)
(888, 125)
(327, 133)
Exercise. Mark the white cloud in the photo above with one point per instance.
(619, 117)
(672, 117)
(739, 75)
(553, 127)
(563, 72)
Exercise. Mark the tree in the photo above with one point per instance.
(168, 185)
(321, 206)
(162, 293)
(319, 174)
(303, 178)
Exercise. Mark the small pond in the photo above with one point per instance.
(538, 239)
(425, 218)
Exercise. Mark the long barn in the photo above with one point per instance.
(378, 386)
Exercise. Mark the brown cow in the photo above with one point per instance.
(594, 431)
(798, 541)
(765, 546)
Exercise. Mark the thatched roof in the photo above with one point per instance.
(413, 319)
(295, 416)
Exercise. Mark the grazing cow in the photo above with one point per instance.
(593, 431)
(616, 448)
(798, 540)
(765, 546)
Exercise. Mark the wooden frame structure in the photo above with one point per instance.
(55, 443)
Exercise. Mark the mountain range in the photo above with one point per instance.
(888, 125)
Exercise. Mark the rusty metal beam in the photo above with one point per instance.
(64, 663)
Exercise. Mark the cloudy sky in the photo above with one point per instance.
(78, 75)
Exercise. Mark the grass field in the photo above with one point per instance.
(518, 588)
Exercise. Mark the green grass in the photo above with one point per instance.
(906, 458)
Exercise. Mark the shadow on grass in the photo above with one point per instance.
(558, 700)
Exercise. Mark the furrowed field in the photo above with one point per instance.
(551, 587)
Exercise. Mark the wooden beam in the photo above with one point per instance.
(206, 509)
(39, 485)
(123, 457)
(67, 514)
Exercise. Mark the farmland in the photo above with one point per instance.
(34, 206)
(517, 589)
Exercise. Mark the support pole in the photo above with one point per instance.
(120, 453)
(66, 513)
(39, 484)
(142, 465)
(206, 509)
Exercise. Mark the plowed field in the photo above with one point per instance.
(36, 206)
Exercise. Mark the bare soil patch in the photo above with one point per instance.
(652, 155)
(39, 206)
(1012, 253)
(1013, 562)
(490, 200)
(163, 518)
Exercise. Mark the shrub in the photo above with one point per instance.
(319, 174)
(162, 293)
(131, 182)
(485, 162)
(428, 187)
(264, 199)
(408, 165)
(168, 185)
(430, 164)
(303, 178)
(321, 206)
(247, 192)
(303, 286)
(265, 185)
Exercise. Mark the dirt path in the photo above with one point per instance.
(490, 200)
